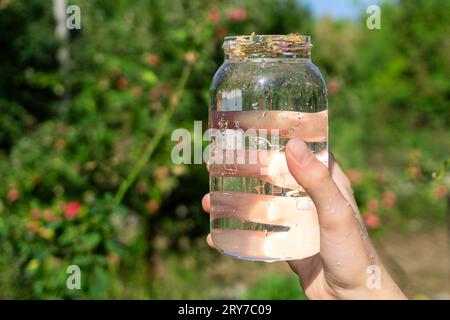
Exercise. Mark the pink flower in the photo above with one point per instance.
(153, 59)
(122, 83)
(35, 213)
(71, 210)
(354, 176)
(159, 91)
(214, 15)
(440, 192)
(50, 216)
(334, 86)
(389, 199)
(162, 172)
(415, 172)
(221, 32)
(32, 226)
(13, 195)
(371, 220)
(381, 177)
(136, 91)
(237, 14)
(373, 205)
(152, 206)
(113, 258)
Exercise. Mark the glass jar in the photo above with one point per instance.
(266, 92)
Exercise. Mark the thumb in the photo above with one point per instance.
(334, 211)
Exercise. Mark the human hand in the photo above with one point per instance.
(340, 269)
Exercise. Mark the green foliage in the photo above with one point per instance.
(138, 70)
(276, 287)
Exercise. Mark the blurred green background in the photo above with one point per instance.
(85, 143)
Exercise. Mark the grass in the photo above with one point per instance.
(276, 287)
(207, 274)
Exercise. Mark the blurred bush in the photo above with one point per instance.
(91, 182)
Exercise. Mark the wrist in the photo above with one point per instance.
(387, 290)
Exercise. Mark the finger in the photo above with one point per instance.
(210, 242)
(338, 175)
(269, 166)
(343, 182)
(344, 244)
(206, 203)
(275, 210)
(307, 268)
(334, 211)
(308, 126)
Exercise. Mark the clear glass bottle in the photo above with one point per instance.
(266, 92)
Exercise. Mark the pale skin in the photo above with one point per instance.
(340, 270)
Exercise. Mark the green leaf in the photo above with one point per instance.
(91, 241)
(149, 77)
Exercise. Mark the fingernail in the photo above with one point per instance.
(299, 150)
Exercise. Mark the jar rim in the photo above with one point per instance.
(247, 46)
(295, 37)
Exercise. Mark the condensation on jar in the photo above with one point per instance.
(266, 92)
